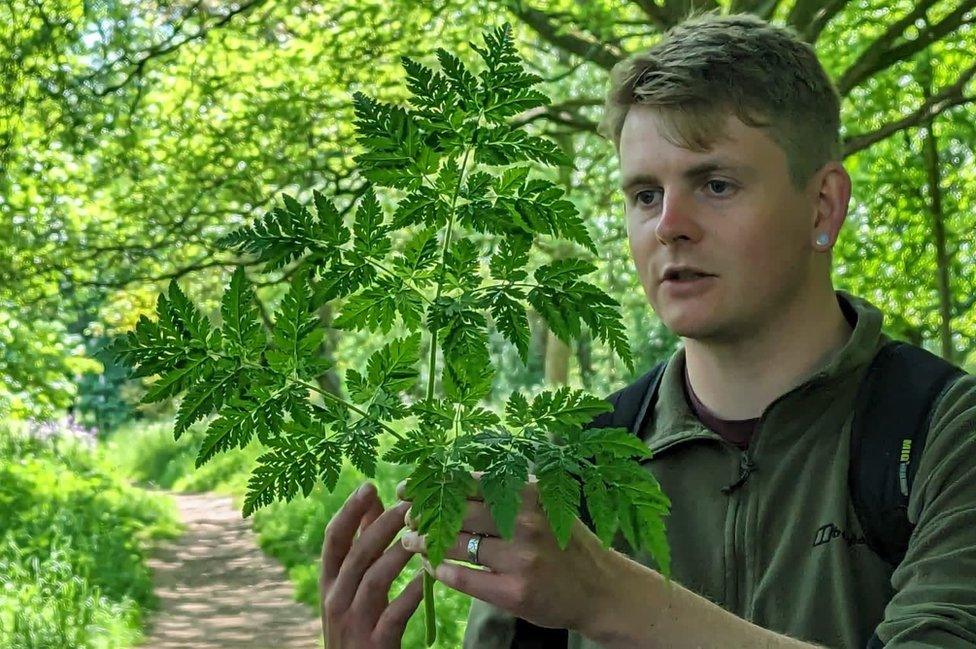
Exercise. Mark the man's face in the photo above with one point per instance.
(731, 211)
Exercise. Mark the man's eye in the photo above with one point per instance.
(720, 187)
(645, 192)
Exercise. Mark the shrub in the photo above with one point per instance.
(73, 544)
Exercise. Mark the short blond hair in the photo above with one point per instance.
(708, 66)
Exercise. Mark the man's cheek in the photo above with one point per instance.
(642, 263)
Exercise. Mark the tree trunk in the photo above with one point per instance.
(931, 153)
(557, 361)
(329, 381)
(584, 356)
(539, 345)
(558, 352)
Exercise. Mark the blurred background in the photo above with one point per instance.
(134, 132)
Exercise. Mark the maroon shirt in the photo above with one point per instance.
(737, 432)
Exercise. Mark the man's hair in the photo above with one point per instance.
(709, 66)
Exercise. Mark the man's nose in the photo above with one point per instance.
(678, 219)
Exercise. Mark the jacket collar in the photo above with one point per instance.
(674, 421)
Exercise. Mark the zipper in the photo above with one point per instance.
(747, 467)
(732, 567)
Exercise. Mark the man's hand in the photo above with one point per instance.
(357, 574)
(529, 576)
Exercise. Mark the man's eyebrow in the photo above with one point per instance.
(700, 169)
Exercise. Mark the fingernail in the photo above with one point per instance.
(362, 490)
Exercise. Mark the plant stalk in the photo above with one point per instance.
(430, 619)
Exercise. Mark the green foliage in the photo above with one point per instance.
(146, 453)
(102, 401)
(45, 604)
(72, 548)
(37, 359)
(429, 154)
(115, 171)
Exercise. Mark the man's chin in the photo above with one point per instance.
(693, 326)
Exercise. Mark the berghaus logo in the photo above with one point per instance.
(829, 532)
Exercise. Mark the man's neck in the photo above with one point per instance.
(739, 379)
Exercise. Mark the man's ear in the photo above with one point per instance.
(832, 187)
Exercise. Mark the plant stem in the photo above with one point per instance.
(430, 620)
(429, 616)
(351, 406)
(386, 270)
(334, 399)
(488, 287)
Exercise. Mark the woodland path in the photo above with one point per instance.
(218, 590)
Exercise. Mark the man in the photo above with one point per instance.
(728, 138)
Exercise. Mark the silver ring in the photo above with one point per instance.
(474, 543)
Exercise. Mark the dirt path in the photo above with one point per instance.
(218, 590)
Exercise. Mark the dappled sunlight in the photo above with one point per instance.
(217, 589)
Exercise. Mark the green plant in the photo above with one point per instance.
(454, 160)
(73, 544)
(45, 603)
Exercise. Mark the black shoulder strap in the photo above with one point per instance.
(631, 407)
(632, 404)
(891, 420)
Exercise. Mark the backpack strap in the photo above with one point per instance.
(891, 421)
(631, 406)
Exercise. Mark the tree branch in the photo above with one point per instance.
(762, 8)
(655, 12)
(543, 24)
(168, 45)
(802, 13)
(881, 54)
(948, 98)
(821, 19)
(174, 274)
(577, 122)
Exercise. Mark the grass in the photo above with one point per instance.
(74, 541)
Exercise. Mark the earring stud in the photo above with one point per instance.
(823, 239)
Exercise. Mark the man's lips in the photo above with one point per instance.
(682, 272)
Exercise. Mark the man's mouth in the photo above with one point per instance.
(684, 274)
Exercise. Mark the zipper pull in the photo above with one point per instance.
(746, 467)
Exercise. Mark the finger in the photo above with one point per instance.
(477, 518)
(493, 553)
(365, 550)
(495, 588)
(373, 593)
(393, 621)
(374, 511)
(339, 534)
